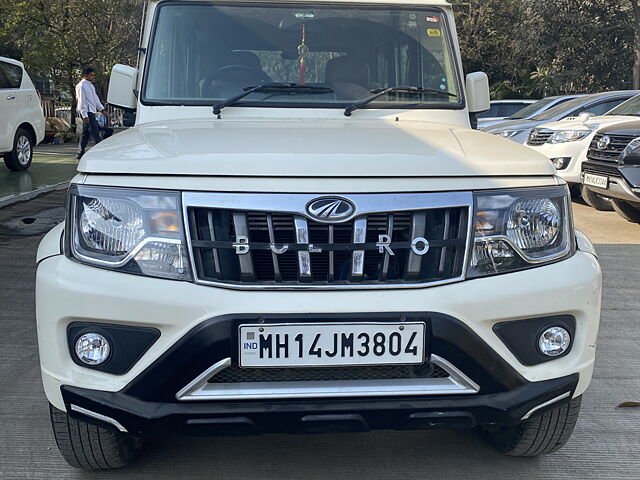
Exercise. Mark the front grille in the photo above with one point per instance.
(235, 374)
(274, 249)
(613, 150)
(601, 169)
(539, 137)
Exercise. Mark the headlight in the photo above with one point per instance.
(131, 231)
(520, 228)
(508, 133)
(565, 136)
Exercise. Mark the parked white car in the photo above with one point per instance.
(596, 104)
(21, 119)
(566, 142)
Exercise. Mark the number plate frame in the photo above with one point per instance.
(592, 180)
(327, 330)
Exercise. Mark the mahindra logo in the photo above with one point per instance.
(330, 209)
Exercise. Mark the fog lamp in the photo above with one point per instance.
(554, 341)
(92, 349)
(561, 163)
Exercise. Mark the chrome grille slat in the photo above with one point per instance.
(274, 256)
(359, 236)
(385, 262)
(212, 235)
(331, 256)
(418, 229)
(302, 238)
(289, 250)
(447, 226)
(242, 230)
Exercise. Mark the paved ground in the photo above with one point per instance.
(52, 166)
(605, 443)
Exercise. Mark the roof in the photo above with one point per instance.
(11, 60)
(423, 3)
(614, 93)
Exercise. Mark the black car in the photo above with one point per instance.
(612, 168)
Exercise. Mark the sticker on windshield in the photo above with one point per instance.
(433, 20)
(434, 32)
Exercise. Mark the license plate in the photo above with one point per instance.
(596, 180)
(331, 344)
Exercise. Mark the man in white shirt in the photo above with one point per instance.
(88, 105)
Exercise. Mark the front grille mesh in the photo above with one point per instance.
(235, 374)
(287, 249)
(601, 169)
(613, 150)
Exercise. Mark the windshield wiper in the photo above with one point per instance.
(381, 92)
(269, 87)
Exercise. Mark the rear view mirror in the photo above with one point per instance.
(478, 97)
(122, 87)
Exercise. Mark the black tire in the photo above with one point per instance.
(84, 445)
(627, 210)
(538, 435)
(18, 160)
(594, 200)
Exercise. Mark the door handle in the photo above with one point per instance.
(11, 97)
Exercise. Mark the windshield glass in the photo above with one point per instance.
(202, 53)
(630, 107)
(529, 110)
(562, 110)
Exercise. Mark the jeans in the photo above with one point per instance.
(90, 129)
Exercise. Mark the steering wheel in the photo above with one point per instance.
(260, 76)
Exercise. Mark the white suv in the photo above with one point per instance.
(302, 233)
(21, 118)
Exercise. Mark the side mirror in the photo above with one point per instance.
(585, 116)
(122, 87)
(631, 154)
(478, 96)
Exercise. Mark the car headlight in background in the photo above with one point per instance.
(508, 133)
(128, 230)
(566, 136)
(518, 229)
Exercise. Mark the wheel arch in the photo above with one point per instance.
(30, 130)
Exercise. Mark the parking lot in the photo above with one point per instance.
(605, 443)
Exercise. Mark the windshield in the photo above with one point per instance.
(203, 53)
(530, 110)
(630, 107)
(562, 110)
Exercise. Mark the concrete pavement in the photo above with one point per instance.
(52, 168)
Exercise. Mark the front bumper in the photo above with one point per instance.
(140, 418)
(575, 151)
(624, 181)
(143, 399)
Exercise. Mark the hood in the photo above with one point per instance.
(628, 129)
(512, 125)
(311, 148)
(594, 123)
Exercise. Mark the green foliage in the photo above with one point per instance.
(529, 48)
(58, 38)
(533, 48)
